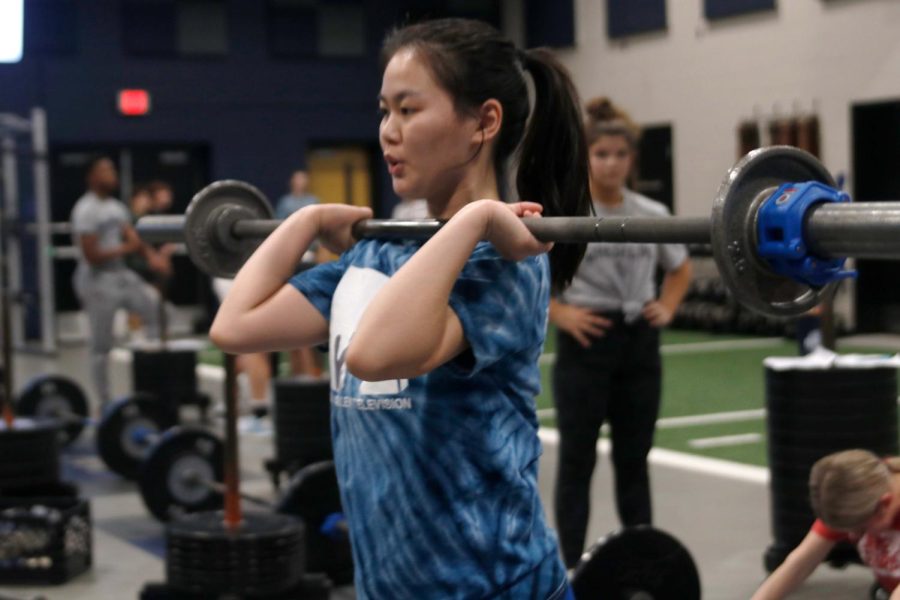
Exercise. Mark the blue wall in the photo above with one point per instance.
(257, 114)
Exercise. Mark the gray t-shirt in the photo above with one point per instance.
(620, 277)
(104, 218)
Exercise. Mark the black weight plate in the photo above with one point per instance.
(854, 422)
(847, 439)
(29, 453)
(264, 556)
(857, 404)
(218, 203)
(313, 495)
(169, 374)
(843, 377)
(119, 432)
(165, 475)
(733, 229)
(55, 397)
(636, 561)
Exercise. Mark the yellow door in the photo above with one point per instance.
(340, 175)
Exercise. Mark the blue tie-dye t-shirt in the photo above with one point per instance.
(438, 473)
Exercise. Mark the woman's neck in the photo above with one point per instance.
(476, 186)
(607, 196)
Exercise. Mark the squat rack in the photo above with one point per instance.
(34, 129)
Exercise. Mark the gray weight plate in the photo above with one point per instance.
(206, 227)
(745, 187)
(168, 476)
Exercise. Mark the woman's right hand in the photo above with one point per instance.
(581, 323)
(334, 223)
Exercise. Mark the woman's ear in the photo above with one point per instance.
(490, 117)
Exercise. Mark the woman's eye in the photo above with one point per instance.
(406, 110)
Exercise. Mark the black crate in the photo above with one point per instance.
(45, 539)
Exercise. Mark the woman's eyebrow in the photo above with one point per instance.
(399, 96)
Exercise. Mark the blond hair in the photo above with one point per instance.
(605, 118)
(845, 487)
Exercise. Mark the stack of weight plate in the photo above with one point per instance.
(813, 413)
(302, 422)
(264, 557)
(29, 454)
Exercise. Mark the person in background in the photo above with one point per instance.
(255, 386)
(608, 365)
(161, 195)
(297, 197)
(103, 234)
(304, 362)
(855, 496)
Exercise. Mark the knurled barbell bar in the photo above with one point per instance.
(779, 231)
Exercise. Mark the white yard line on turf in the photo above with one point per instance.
(733, 416)
(724, 441)
(679, 460)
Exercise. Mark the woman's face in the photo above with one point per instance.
(611, 161)
(427, 145)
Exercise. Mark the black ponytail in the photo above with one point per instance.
(553, 159)
(474, 63)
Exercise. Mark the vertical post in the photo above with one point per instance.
(7, 355)
(42, 218)
(232, 477)
(13, 243)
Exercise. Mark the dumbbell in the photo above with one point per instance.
(55, 397)
(637, 563)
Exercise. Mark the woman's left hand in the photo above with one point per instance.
(657, 314)
(506, 231)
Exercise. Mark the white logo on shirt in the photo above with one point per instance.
(351, 297)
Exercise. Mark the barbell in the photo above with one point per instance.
(780, 232)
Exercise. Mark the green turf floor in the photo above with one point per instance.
(696, 381)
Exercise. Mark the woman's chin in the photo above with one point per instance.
(404, 190)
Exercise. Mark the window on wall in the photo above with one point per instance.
(550, 23)
(631, 17)
(49, 27)
(316, 28)
(717, 9)
(175, 28)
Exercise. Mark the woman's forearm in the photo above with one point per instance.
(675, 285)
(408, 328)
(270, 266)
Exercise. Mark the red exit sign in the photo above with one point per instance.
(134, 103)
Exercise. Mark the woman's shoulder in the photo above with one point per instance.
(645, 205)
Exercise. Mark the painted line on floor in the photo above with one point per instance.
(733, 416)
(726, 441)
(689, 462)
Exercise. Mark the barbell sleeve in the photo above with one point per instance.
(868, 230)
